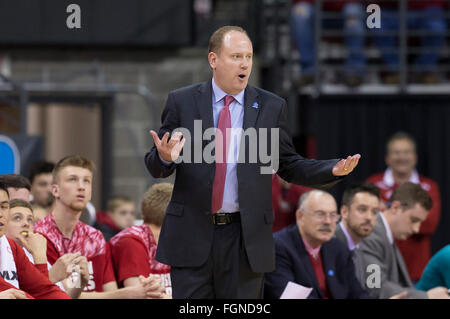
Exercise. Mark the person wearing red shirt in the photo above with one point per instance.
(285, 198)
(401, 159)
(19, 229)
(65, 233)
(133, 249)
(16, 271)
(120, 214)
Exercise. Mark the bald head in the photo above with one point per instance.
(312, 198)
(316, 217)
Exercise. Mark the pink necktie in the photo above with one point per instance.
(222, 143)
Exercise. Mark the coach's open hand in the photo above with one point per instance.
(169, 150)
(346, 166)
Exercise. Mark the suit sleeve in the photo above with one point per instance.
(169, 120)
(33, 281)
(294, 168)
(275, 282)
(373, 253)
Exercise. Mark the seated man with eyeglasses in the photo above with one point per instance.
(307, 254)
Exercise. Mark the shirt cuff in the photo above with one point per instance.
(166, 163)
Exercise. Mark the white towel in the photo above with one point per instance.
(8, 268)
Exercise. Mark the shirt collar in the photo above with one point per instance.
(351, 243)
(219, 94)
(312, 251)
(388, 229)
(388, 178)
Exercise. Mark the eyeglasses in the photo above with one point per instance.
(322, 216)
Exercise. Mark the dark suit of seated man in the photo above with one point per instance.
(307, 253)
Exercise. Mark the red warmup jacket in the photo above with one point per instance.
(31, 280)
(416, 250)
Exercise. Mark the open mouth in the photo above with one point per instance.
(242, 76)
(24, 233)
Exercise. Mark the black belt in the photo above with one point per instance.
(226, 218)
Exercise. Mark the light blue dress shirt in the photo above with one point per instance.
(230, 201)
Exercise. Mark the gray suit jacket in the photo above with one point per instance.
(378, 251)
(339, 234)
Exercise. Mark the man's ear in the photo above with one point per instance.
(55, 190)
(298, 214)
(396, 206)
(344, 211)
(212, 59)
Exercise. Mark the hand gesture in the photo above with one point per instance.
(12, 294)
(79, 272)
(153, 286)
(346, 166)
(62, 268)
(169, 150)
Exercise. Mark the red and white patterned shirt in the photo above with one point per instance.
(86, 240)
(133, 253)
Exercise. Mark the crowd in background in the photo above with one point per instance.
(376, 245)
(426, 26)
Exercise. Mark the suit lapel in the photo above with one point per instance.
(203, 99)
(329, 270)
(305, 261)
(251, 107)
(403, 271)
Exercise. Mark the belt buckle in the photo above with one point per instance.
(219, 214)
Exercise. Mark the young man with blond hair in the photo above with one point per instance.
(65, 233)
(133, 250)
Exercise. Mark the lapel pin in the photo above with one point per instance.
(255, 105)
(330, 272)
